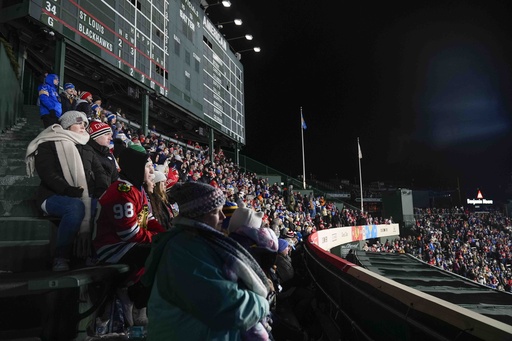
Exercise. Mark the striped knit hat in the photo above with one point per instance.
(196, 198)
(228, 209)
(96, 129)
(85, 95)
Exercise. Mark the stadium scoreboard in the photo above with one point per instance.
(170, 46)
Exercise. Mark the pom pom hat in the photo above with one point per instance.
(96, 129)
(196, 198)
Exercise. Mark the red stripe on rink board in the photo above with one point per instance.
(340, 263)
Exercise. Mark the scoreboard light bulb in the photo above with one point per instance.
(238, 22)
(248, 37)
(226, 3)
(257, 49)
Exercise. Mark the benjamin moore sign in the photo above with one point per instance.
(479, 200)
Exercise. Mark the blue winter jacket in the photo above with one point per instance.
(49, 97)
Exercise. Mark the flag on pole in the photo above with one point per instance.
(359, 153)
(303, 123)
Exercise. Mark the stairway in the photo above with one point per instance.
(26, 239)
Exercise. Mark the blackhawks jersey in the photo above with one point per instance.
(123, 220)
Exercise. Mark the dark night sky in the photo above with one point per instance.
(426, 86)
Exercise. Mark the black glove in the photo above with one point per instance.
(75, 192)
(53, 113)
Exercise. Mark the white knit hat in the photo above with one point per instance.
(159, 177)
(245, 217)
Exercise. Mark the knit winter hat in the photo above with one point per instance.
(283, 244)
(85, 95)
(96, 129)
(196, 198)
(68, 86)
(245, 217)
(161, 168)
(159, 177)
(137, 147)
(132, 164)
(228, 209)
(247, 222)
(73, 117)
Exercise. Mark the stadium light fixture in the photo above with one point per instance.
(237, 22)
(238, 54)
(255, 49)
(206, 5)
(247, 36)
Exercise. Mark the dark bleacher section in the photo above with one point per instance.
(38, 304)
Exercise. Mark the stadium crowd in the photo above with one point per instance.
(473, 245)
(133, 210)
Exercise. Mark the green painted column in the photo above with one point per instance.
(60, 60)
(211, 140)
(145, 113)
(237, 153)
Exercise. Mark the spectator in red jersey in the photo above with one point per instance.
(125, 227)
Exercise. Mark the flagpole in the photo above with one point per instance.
(359, 157)
(303, 157)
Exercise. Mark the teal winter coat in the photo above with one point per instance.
(191, 297)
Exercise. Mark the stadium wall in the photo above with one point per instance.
(367, 306)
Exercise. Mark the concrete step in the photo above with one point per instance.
(17, 192)
(22, 180)
(4, 148)
(10, 161)
(21, 131)
(26, 244)
(17, 199)
(19, 208)
(19, 169)
(15, 144)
